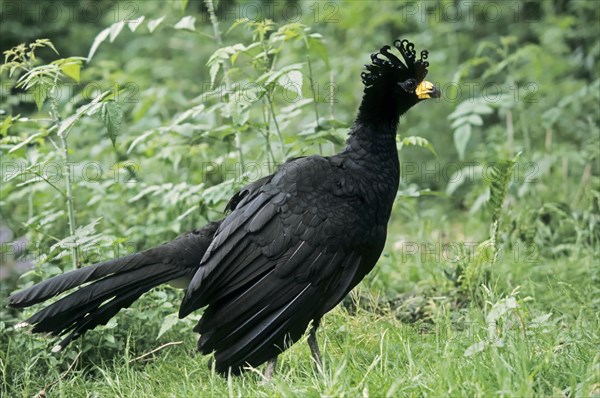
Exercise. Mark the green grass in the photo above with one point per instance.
(367, 350)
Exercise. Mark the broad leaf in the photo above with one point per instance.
(112, 116)
(134, 23)
(115, 29)
(167, 324)
(317, 47)
(461, 139)
(40, 93)
(292, 81)
(153, 23)
(100, 37)
(188, 23)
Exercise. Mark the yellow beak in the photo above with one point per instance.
(427, 90)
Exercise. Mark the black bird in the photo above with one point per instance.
(295, 243)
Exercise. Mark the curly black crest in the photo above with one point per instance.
(415, 68)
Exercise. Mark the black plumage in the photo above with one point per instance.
(116, 284)
(295, 243)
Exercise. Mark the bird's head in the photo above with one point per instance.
(389, 82)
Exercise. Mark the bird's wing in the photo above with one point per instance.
(289, 252)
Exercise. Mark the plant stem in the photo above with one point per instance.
(331, 101)
(47, 181)
(267, 105)
(272, 111)
(69, 184)
(510, 132)
(210, 5)
(265, 113)
(331, 93)
(312, 90)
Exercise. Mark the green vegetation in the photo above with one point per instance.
(125, 123)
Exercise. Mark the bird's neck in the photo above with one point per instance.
(373, 144)
(373, 134)
(379, 107)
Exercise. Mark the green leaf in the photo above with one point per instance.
(464, 108)
(475, 348)
(418, 141)
(184, 4)
(540, 320)
(238, 111)
(272, 76)
(188, 23)
(153, 23)
(236, 23)
(88, 109)
(100, 37)
(316, 46)
(26, 141)
(226, 53)
(499, 176)
(48, 43)
(482, 108)
(139, 139)
(459, 122)
(480, 201)
(468, 107)
(292, 81)
(112, 116)
(167, 324)
(5, 125)
(40, 93)
(133, 24)
(188, 113)
(213, 70)
(500, 308)
(115, 29)
(67, 123)
(110, 338)
(551, 116)
(72, 70)
(475, 120)
(461, 139)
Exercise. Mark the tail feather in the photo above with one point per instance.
(70, 310)
(99, 316)
(103, 290)
(61, 283)
(115, 284)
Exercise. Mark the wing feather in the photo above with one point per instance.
(287, 254)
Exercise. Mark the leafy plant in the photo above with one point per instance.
(473, 267)
(467, 115)
(44, 81)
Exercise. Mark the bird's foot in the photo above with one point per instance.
(269, 370)
(314, 349)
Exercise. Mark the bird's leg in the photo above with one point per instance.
(270, 370)
(314, 347)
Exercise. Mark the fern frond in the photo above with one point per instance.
(499, 179)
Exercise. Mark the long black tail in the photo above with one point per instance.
(116, 284)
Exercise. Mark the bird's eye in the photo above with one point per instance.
(409, 85)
